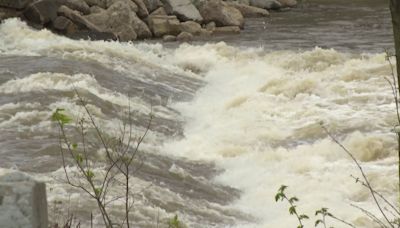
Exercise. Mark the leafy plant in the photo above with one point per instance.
(281, 195)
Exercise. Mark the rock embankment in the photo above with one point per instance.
(128, 20)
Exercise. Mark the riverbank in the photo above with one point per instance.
(128, 20)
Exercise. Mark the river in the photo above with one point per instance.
(235, 117)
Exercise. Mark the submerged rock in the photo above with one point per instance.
(169, 38)
(23, 201)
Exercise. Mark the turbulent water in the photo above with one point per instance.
(233, 121)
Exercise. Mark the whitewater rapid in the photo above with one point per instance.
(253, 113)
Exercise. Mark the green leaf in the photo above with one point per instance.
(79, 158)
(89, 174)
(292, 210)
(74, 146)
(293, 199)
(97, 191)
(282, 188)
(318, 222)
(303, 217)
(277, 197)
(60, 117)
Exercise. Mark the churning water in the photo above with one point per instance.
(233, 121)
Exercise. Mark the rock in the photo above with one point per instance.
(115, 5)
(78, 19)
(221, 13)
(159, 11)
(23, 201)
(96, 9)
(183, 9)
(100, 3)
(226, 30)
(142, 9)
(169, 38)
(164, 25)
(14, 4)
(184, 37)
(152, 5)
(121, 20)
(266, 4)
(205, 32)
(249, 11)
(6, 13)
(245, 2)
(65, 25)
(190, 27)
(211, 26)
(42, 12)
(288, 3)
(78, 5)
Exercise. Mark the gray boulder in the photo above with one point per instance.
(249, 11)
(159, 11)
(266, 4)
(190, 27)
(164, 25)
(210, 26)
(183, 9)
(78, 5)
(65, 25)
(221, 13)
(14, 4)
(78, 19)
(42, 12)
(142, 9)
(100, 3)
(23, 201)
(121, 20)
(184, 37)
(96, 9)
(152, 5)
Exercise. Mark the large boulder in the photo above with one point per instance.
(78, 19)
(78, 5)
(183, 9)
(142, 9)
(221, 13)
(100, 3)
(42, 12)
(152, 5)
(23, 201)
(121, 20)
(64, 25)
(249, 11)
(164, 25)
(266, 4)
(190, 27)
(159, 11)
(14, 4)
